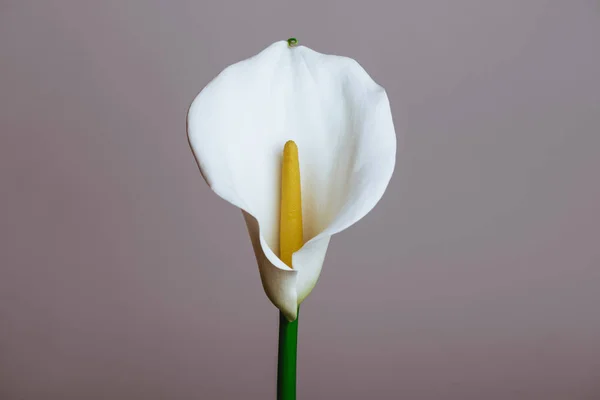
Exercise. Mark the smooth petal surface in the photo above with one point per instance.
(342, 123)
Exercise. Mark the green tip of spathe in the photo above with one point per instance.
(292, 42)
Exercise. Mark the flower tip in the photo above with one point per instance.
(290, 145)
(292, 42)
(290, 151)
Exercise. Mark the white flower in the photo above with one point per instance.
(342, 123)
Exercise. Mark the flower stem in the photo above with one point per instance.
(286, 360)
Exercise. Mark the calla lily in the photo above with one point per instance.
(340, 120)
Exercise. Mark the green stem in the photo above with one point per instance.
(286, 361)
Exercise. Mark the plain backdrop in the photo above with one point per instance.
(122, 276)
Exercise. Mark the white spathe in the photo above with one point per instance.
(341, 121)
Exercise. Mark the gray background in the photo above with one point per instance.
(477, 276)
